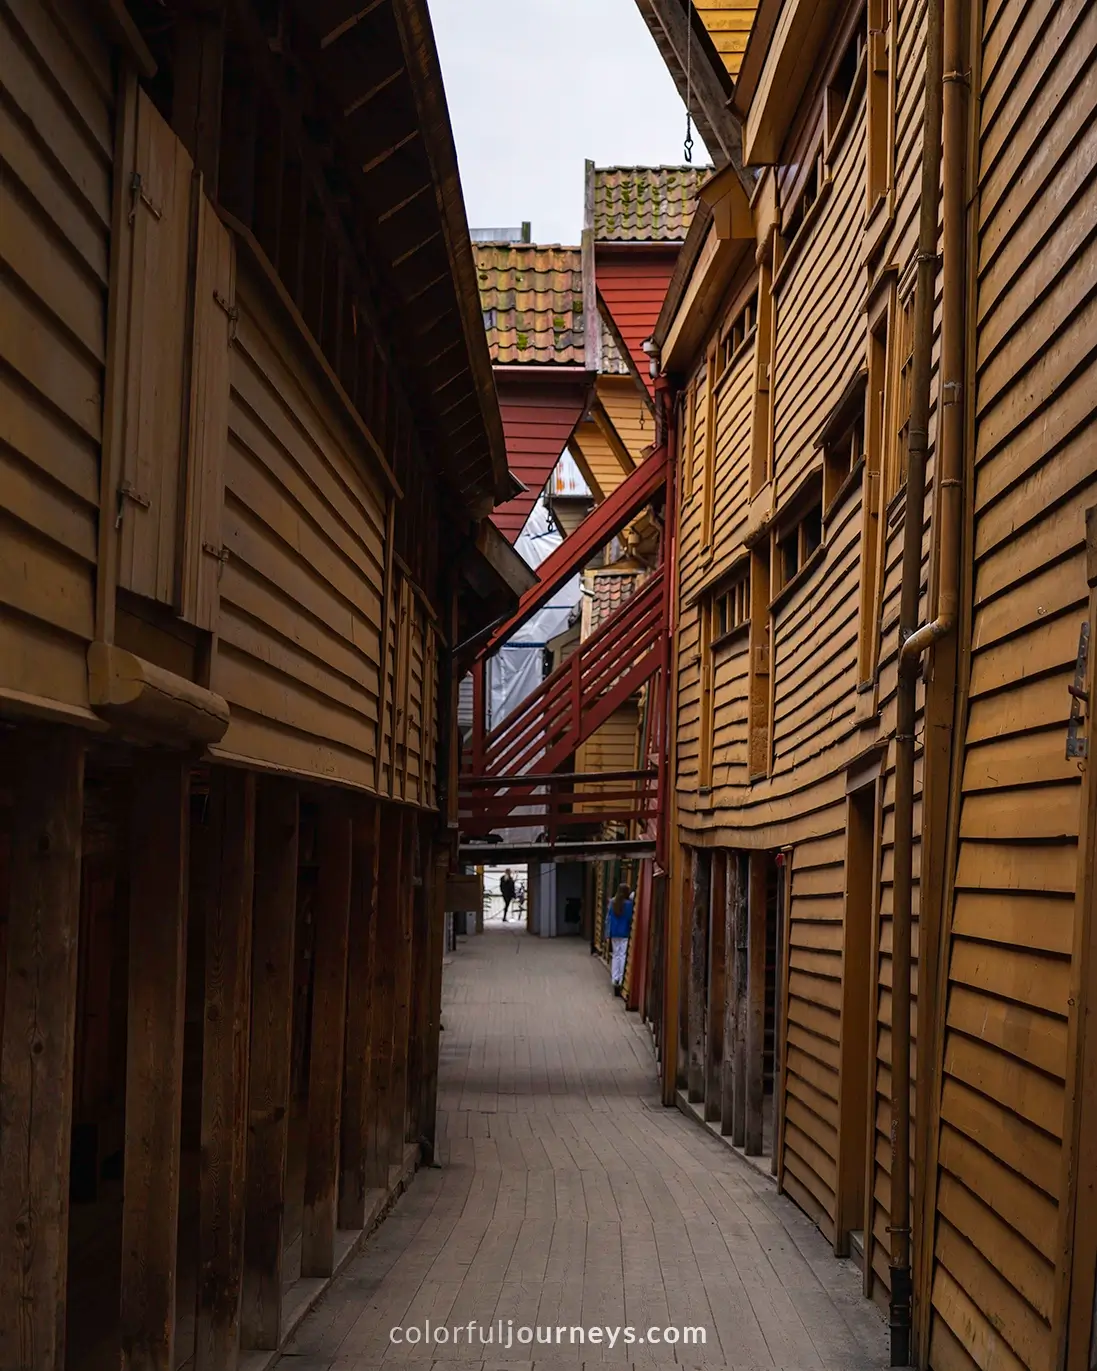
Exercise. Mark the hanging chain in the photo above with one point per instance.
(687, 148)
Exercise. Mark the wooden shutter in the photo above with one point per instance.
(214, 328)
(161, 189)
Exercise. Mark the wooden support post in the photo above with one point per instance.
(329, 1012)
(159, 853)
(402, 1000)
(384, 993)
(428, 1109)
(732, 1039)
(223, 875)
(36, 1062)
(357, 1104)
(421, 896)
(717, 1007)
(685, 934)
(276, 853)
(756, 1003)
(698, 934)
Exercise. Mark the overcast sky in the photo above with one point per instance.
(537, 86)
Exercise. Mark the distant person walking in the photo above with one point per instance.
(506, 889)
(620, 926)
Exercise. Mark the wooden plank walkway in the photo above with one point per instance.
(567, 1196)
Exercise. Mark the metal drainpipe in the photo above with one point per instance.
(901, 1305)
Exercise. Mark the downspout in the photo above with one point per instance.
(901, 1304)
(944, 141)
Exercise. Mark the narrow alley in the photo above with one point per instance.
(567, 1196)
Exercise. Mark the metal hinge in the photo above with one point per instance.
(1077, 746)
(220, 554)
(126, 491)
(139, 195)
(232, 312)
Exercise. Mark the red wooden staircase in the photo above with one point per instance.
(513, 774)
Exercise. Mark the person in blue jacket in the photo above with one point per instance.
(619, 916)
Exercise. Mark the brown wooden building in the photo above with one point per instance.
(249, 442)
(880, 348)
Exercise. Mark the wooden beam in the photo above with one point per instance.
(159, 853)
(36, 1061)
(685, 935)
(329, 1012)
(223, 873)
(198, 81)
(421, 898)
(277, 832)
(384, 997)
(717, 984)
(756, 1003)
(608, 429)
(699, 912)
(356, 1120)
(428, 1108)
(405, 971)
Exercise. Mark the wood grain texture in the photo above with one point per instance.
(269, 1075)
(36, 1060)
(329, 1011)
(160, 853)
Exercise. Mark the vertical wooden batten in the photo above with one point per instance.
(384, 995)
(36, 1060)
(717, 988)
(402, 1000)
(700, 885)
(223, 854)
(756, 1003)
(276, 857)
(357, 1104)
(159, 829)
(329, 1003)
(428, 1109)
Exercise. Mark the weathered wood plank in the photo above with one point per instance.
(404, 972)
(223, 871)
(329, 1009)
(357, 1105)
(276, 855)
(700, 869)
(160, 842)
(384, 996)
(717, 988)
(36, 1062)
(756, 1003)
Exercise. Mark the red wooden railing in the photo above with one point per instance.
(561, 800)
(510, 764)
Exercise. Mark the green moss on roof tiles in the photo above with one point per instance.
(532, 298)
(645, 204)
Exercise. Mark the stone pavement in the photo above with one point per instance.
(567, 1196)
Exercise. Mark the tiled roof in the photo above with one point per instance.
(645, 204)
(611, 590)
(613, 364)
(532, 298)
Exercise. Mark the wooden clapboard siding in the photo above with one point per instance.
(728, 23)
(820, 326)
(628, 408)
(304, 526)
(597, 460)
(613, 746)
(538, 421)
(56, 153)
(632, 282)
(1005, 1036)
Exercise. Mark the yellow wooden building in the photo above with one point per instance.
(879, 345)
(249, 441)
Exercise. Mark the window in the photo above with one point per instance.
(689, 439)
(737, 332)
(709, 471)
(904, 368)
(731, 606)
(842, 453)
(881, 99)
(804, 197)
(875, 442)
(763, 362)
(841, 86)
(759, 697)
(796, 541)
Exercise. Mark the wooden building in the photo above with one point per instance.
(880, 917)
(249, 444)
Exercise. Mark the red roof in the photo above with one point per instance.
(633, 284)
(539, 417)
